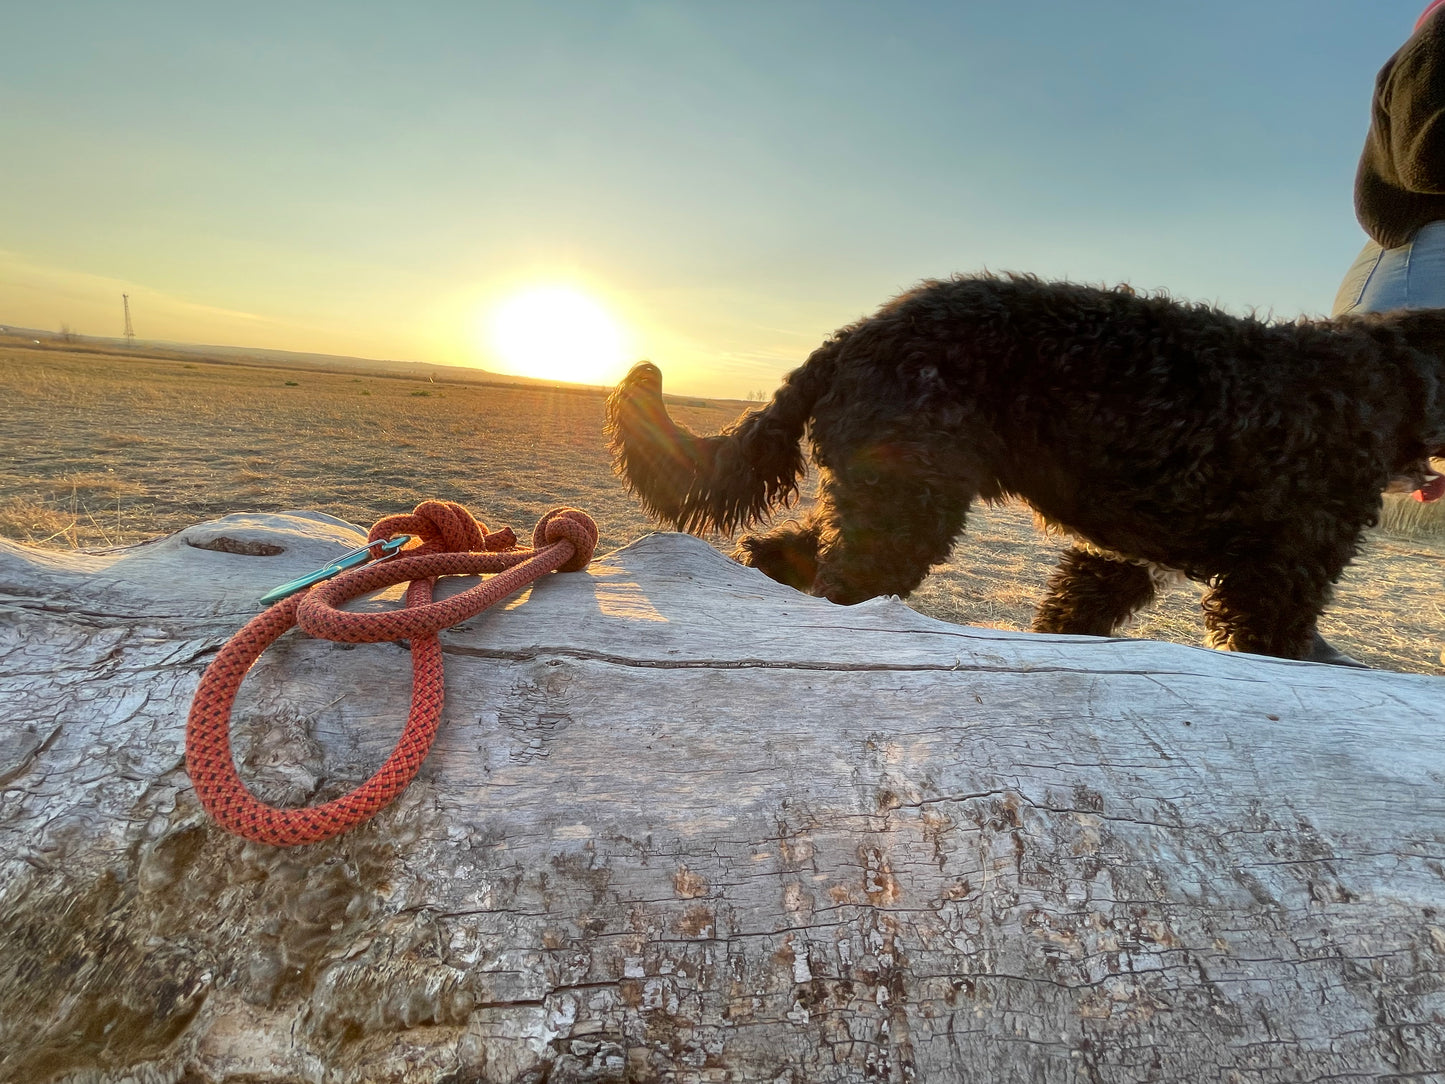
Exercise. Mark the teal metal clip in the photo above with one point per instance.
(354, 559)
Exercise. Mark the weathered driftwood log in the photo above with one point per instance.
(685, 824)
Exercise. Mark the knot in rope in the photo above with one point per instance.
(454, 543)
(569, 525)
(443, 527)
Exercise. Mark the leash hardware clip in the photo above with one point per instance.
(353, 559)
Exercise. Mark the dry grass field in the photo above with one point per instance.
(100, 450)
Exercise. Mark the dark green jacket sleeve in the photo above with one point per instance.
(1400, 185)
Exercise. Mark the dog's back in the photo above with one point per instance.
(1082, 401)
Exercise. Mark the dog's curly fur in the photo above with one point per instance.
(1247, 455)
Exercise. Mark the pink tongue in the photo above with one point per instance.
(1431, 490)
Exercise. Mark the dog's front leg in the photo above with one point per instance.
(1267, 608)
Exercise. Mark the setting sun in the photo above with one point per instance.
(556, 333)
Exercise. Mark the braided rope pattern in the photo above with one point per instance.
(453, 543)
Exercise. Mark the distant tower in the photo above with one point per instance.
(129, 331)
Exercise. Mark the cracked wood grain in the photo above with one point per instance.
(683, 824)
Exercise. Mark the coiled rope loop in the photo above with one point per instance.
(453, 543)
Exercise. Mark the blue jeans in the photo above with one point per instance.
(1409, 277)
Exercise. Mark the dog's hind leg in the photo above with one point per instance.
(789, 554)
(1092, 595)
(879, 535)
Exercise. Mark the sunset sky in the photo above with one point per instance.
(724, 183)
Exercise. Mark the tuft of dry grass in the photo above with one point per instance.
(37, 524)
(101, 450)
(1406, 517)
(125, 440)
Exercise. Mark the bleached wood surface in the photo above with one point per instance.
(683, 823)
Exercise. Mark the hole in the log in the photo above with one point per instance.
(226, 544)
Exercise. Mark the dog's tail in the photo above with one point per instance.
(714, 483)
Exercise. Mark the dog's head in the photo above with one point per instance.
(1414, 339)
(1424, 480)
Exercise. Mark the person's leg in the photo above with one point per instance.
(1357, 278)
(1425, 270)
(1409, 277)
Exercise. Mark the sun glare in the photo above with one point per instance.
(556, 333)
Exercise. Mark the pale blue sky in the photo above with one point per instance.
(732, 180)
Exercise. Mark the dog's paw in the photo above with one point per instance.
(1321, 650)
(788, 556)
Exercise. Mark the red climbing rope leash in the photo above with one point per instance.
(453, 544)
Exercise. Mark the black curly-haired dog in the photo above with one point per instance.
(1249, 456)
